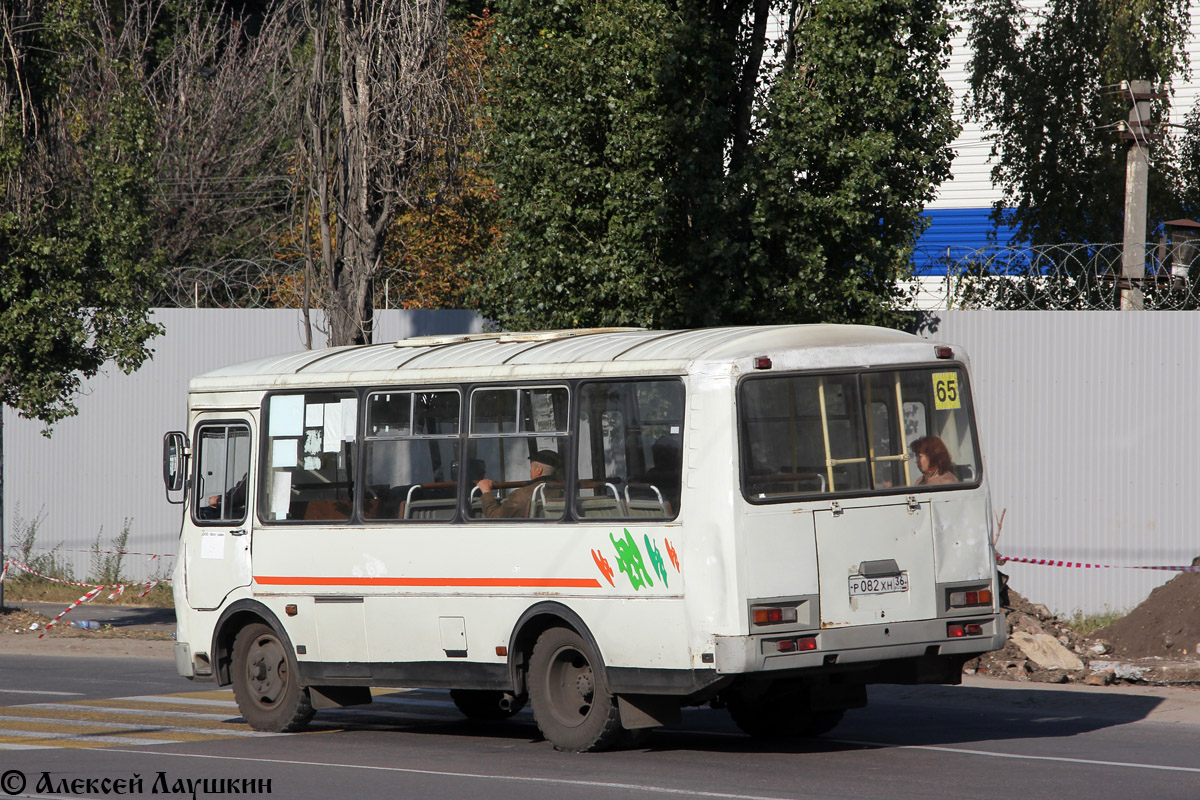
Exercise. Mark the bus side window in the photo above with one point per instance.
(222, 470)
(515, 432)
(630, 459)
(309, 473)
(411, 455)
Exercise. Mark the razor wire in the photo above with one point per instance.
(236, 283)
(1081, 276)
(249, 283)
(1062, 277)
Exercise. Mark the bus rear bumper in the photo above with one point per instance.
(861, 645)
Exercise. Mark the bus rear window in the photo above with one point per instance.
(883, 431)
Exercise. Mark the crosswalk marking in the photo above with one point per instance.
(124, 721)
(196, 716)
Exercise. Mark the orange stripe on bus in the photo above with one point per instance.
(564, 583)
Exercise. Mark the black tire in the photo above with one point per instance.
(483, 704)
(266, 682)
(568, 691)
(772, 717)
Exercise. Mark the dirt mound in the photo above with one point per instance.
(1033, 621)
(1166, 625)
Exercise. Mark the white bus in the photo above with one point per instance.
(610, 525)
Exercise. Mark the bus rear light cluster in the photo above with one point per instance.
(797, 644)
(768, 615)
(957, 630)
(980, 597)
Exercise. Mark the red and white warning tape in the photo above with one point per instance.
(90, 595)
(117, 589)
(150, 556)
(1050, 562)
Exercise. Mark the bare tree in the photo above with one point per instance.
(227, 108)
(381, 118)
(223, 102)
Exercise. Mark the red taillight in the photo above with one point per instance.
(975, 597)
(768, 615)
(762, 362)
(957, 630)
(798, 644)
(943, 351)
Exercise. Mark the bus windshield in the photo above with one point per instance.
(856, 433)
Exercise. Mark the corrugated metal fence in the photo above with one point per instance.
(1090, 443)
(105, 465)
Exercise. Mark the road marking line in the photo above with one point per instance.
(179, 699)
(61, 723)
(16, 736)
(40, 691)
(146, 719)
(627, 787)
(1017, 756)
(116, 710)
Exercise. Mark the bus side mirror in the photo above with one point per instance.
(175, 465)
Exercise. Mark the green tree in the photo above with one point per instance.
(666, 163)
(856, 138)
(1189, 167)
(78, 262)
(1047, 90)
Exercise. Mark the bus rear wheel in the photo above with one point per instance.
(266, 682)
(568, 691)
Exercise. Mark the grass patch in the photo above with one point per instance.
(1087, 624)
(107, 569)
(32, 589)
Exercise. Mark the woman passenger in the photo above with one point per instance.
(933, 459)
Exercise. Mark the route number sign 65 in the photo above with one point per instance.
(945, 391)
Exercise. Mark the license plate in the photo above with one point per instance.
(884, 585)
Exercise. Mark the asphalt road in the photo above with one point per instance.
(64, 721)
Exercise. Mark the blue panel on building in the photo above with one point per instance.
(954, 233)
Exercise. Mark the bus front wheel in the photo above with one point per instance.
(569, 694)
(266, 682)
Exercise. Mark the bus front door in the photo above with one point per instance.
(217, 534)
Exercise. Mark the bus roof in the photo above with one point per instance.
(572, 353)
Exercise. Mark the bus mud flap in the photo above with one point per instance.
(339, 696)
(648, 710)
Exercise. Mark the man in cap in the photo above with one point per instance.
(543, 466)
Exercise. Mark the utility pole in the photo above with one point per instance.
(1137, 176)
